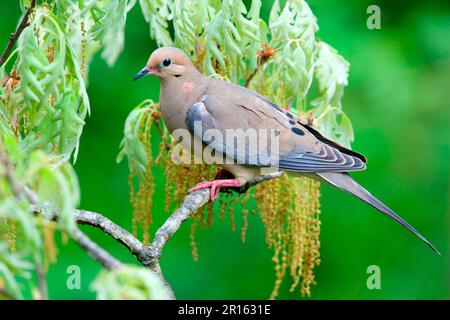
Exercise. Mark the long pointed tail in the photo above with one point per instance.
(344, 182)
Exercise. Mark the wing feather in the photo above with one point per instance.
(301, 148)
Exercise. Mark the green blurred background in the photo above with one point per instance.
(398, 100)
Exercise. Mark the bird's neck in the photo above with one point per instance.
(176, 96)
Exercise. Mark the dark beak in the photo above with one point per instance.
(141, 73)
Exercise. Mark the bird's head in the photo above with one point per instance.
(167, 63)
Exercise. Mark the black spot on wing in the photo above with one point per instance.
(292, 122)
(298, 131)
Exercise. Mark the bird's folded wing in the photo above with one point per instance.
(253, 131)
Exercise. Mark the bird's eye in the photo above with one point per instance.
(166, 62)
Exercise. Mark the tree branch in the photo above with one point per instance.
(110, 228)
(150, 255)
(94, 251)
(15, 35)
(259, 179)
(190, 205)
(8, 173)
(263, 56)
(21, 193)
(86, 217)
(42, 282)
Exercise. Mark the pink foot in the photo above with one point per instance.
(215, 186)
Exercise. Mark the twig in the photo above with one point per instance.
(147, 255)
(263, 56)
(259, 179)
(15, 35)
(42, 282)
(94, 251)
(8, 172)
(156, 268)
(190, 205)
(252, 75)
(94, 219)
(113, 230)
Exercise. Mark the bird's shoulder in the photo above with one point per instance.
(224, 96)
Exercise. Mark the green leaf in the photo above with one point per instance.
(156, 13)
(346, 131)
(12, 265)
(129, 283)
(110, 29)
(331, 71)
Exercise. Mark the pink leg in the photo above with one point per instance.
(215, 186)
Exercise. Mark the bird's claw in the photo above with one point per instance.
(215, 186)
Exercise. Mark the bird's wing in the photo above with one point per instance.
(282, 140)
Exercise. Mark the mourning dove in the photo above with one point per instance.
(195, 104)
